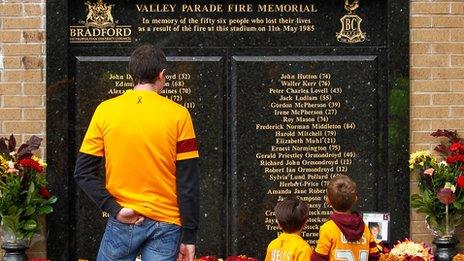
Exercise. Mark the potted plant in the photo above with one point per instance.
(23, 195)
(440, 197)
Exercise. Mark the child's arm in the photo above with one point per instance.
(324, 244)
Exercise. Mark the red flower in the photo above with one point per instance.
(452, 159)
(446, 196)
(455, 146)
(30, 163)
(45, 193)
(460, 181)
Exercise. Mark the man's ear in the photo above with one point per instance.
(162, 74)
(327, 200)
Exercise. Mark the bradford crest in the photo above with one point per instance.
(99, 15)
(351, 25)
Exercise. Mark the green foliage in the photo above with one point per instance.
(23, 193)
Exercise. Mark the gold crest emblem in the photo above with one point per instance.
(351, 25)
(99, 15)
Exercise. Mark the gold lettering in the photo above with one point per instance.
(156, 8)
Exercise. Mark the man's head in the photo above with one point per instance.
(341, 193)
(147, 64)
(291, 213)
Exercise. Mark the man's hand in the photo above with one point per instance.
(186, 252)
(129, 216)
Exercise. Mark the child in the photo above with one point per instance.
(291, 214)
(344, 236)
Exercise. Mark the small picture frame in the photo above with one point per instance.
(378, 224)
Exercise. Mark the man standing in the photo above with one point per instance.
(151, 168)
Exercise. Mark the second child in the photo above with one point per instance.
(344, 236)
(291, 214)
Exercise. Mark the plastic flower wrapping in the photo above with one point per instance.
(408, 250)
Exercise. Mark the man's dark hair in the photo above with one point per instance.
(146, 63)
(292, 214)
(342, 193)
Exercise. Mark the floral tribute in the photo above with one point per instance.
(24, 195)
(458, 257)
(230, 258)
(441, 181)
(408, 250)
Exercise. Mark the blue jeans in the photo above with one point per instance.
(155, 241)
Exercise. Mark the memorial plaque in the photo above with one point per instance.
(315, 119)
(283, 95)
(101, 78)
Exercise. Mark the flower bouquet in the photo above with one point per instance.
(441, 182)
(408, 250)
(23, 190)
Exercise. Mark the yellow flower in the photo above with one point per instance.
(40, 161)
(419, 158)
(3, 164)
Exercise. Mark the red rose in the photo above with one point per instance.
(455, 146)
(451, 159)
(460, 181)
(45, 193)
(30, 163)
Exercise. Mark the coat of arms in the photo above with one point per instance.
(99, 15)
(351, 25)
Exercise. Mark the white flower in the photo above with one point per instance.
(448, 185)
(11, 164)
(443, 163)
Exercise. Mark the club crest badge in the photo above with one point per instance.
(97, 25)
(351, 25)
(99, 15)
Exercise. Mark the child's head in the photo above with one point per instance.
(375, 228)
(291, 213)
(341, 193)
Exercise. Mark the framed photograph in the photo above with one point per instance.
(378, 223)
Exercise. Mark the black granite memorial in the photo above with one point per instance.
(284, 95)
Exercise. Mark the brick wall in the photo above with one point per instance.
(22, 79)
(437, 80)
